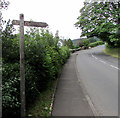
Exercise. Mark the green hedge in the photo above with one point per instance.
(43, 61)
(96, 43)
(113, 51)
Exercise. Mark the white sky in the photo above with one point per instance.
(60, 15)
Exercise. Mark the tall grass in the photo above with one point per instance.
(114, 52)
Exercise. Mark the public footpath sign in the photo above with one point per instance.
(23, 23)
(30, 23)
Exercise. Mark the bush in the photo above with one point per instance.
(113, 51)
(93, 39)
(96, 43)
(43, 60)
(114, 41)
(10, 90)
(84, 43)
(64, 54)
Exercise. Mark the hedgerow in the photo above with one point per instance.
(43, 61)
(96, 43)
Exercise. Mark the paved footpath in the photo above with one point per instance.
(70, 99)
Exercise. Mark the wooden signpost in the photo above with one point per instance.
(30, 23)
(23, 23)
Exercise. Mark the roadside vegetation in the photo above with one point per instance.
(43, 104)
(83, 44)
(44, 59)
(101, 19)
(114, 52)
(96, 43)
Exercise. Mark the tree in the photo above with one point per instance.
(57, 34)
(68, 43)
(101, 19)
(3, 5)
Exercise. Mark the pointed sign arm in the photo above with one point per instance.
(30, 23)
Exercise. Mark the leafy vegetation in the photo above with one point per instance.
(85, 43)
(101, 19)
(43, 104)
(93, 39)
(114, 52)
(69, 43)
(90, 42)
(96, 43)
(43, 61)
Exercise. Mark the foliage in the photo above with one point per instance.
(3, 5)
(43, 60)
(101, 19)
(115, 52)
(84, 43)
(10, 52)
(75, 47)
(68, 43)
(81, 43)
(114, 41)
(10, 89)
(96, 43)
(93, 39)
(42, 105)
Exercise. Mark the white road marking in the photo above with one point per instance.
(103, 61)
(115, 67)
(106, 63)
(94, 56)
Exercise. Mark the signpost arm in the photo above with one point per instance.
(22, 66)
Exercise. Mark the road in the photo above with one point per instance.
(98, 76)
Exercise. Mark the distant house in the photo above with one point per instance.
(60, 43)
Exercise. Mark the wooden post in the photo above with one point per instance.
(23, 23)
(22, 67)
(0, 89)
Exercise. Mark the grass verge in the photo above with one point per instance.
(114, 52)
(43, 104)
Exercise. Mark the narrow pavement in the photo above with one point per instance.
(70, 99)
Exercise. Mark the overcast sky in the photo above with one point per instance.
(58, 14)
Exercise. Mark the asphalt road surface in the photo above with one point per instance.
(98, 76)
